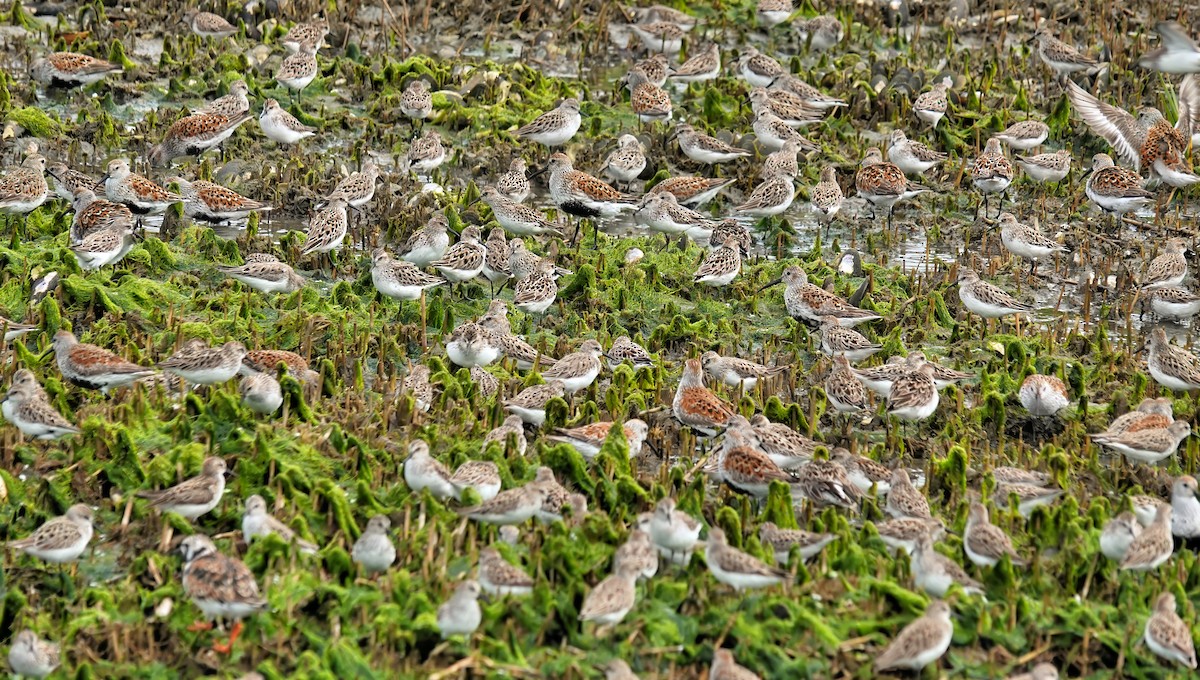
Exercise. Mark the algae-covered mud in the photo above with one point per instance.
(306, 431)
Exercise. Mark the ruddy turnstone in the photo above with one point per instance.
(220, 586)
(194, 496)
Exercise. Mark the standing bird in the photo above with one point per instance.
(921, 642)
(219, 585)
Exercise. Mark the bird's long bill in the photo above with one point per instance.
(776, 282)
